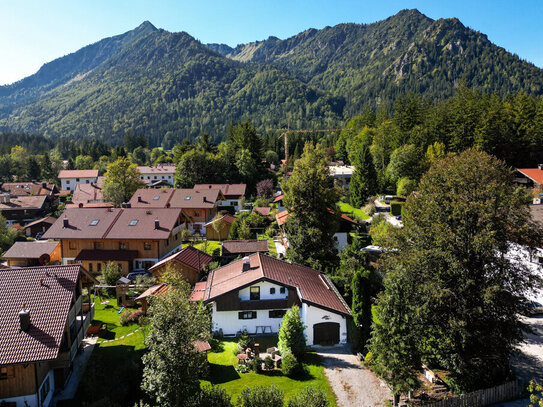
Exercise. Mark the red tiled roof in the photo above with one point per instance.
(313, 286)
(201, 346)
(198, 291)
(535, 174)
(244, 246)
(278, 198)
(282, 217)
(154, 291)
(107, 255)
(174, 198)
(87, 193)
(47, 293)
(228, 190)
(78, 174)
(24, 202)
(263, 210)
(225, 218)
(158, 169)
(28, 188)
(114, 223)
(189, 256)
(48, 219)
(89, 205)
(30, 250)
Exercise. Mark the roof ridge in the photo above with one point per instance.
(112, 223)
(336, 292)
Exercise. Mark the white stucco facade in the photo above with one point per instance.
(70, 183)
(312, 315)
(340, 240)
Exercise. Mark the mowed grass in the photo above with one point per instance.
(222, 360)
(208, 246)
(108, 314)
(351, 211)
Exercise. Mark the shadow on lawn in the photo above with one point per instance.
(222, 373)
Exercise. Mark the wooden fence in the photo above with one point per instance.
(484, 397)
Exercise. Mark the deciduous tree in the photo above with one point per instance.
(122, 179)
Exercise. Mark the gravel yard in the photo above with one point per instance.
(353, 384)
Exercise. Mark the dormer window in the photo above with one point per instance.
(94, 222)
(133, 222)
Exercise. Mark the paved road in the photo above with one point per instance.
(353, 384)
(528, 363)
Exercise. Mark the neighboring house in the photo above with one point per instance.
(279, 201)
(70, 178)
(22, 209)
(134, 238)
(530, 177)
(219, 228)
(163, 174)
(232, 193)
(198, 207)
(188, 262)
(88, 193)
(342, 174)
(341, 237)
(43, 319)
(236, 248)
(151, 292)
(262, 210)
(39, 226)
(41, 188)
(90, 205)
(254, 293)
(28, 254)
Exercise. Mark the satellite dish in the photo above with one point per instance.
(44, 259)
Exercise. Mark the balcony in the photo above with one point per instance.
(236, 304)
(74, 310)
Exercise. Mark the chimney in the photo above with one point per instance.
(168, 205)
(246, 264)
(210, 187)
(44, 184)
(65, 222)
(24, 318)
(157, 224)
(139, 198)
(540, 166)
(80, 204)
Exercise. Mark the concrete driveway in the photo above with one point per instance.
(353, 384)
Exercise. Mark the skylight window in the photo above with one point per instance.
(94, 222)
(187, 198)
(155, 198)
(133, 222)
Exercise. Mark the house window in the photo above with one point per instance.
(282, 290)
(277, 313)
(99, 267)
(255, 293)
(4, 373)
(71, 245)
(122, 245)
(133, 222)
(94, 222)
(247, 315)
(196, 226)
(147, 246)
(90, 268)
(77, 180)
(87, 181)
(120, 266)
(68, 182)
(196, 213)
(272, 290)
(97, 245)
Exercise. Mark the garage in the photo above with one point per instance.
(326, 333)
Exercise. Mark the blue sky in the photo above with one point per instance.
(33, 32)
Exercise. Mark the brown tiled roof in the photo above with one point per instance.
(263, 210)
(244, 246)
(175, 198)
(48, 219)
(282, 217)
(28, 188)
(24, 202)
(313, 287)
(154, 291)
(114, 223)
(279, 198)
(159, 169)
(225, 218)
(201, 346)
(90, 205)
(107, 255)
(78, 174)
(47, 292)
(228, 190)
(189, 256)
(87, 193)
(198, 291)
(30, 250)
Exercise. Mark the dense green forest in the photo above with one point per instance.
(169, 86)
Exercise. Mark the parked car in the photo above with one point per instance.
(39, 235)
(134, 275)
(534, 308)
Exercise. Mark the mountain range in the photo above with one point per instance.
(169, 86)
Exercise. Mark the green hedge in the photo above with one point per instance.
(396, 208)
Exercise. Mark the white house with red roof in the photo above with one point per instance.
(254, 293)
(70, 178)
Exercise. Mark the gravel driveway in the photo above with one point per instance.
(353, 384)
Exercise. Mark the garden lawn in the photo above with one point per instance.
(201, 245)
(271, 244)
(352, 212)
(222, 360)
(107, 313)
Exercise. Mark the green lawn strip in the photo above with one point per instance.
(107, 313)
(222, 372)
(350, 211)
(211, 246)
(271, 244)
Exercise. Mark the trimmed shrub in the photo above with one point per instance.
(269, 396)
(135, 316)
(309, 397)
(124, 318)
(289, 365)
(268, 363)
(396, 208)
(211, 396)
(245, 341)
(255, 365)
(291, 333)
